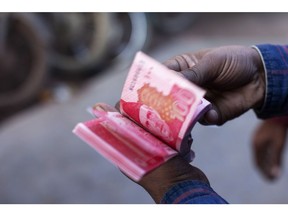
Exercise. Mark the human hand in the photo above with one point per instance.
(232, 75)
(176, 170)
(158, 181)
(268, 143)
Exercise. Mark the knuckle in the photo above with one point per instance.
(182, 63)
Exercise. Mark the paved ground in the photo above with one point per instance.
(41, 161)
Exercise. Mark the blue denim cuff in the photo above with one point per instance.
(192, 192)
(275, 61)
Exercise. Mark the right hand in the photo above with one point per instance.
(233, 77)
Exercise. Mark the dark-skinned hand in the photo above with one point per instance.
(232, 75)
(158, 181)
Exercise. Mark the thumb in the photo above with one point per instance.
(226, 106)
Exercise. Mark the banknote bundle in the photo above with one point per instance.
(158, 110)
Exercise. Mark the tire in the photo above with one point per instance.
(23, 59)
(72, 54)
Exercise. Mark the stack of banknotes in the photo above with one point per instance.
(158, 110)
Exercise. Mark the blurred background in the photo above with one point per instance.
(55, 65)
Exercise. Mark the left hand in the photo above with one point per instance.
(158, 181)
(176, 170)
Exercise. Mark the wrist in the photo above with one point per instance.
(174, 171)
(260, 78)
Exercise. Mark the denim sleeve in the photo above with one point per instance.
(192, 192)
(275, 61)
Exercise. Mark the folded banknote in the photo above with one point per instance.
(158, 110)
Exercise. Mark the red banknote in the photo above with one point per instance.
(128, 146)
(158, 109)
(159, 100)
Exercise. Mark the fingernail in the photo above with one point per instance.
(99, 107)
(211, 117)
(104, 107)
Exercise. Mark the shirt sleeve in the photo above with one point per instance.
(192, 192)
(275, 61)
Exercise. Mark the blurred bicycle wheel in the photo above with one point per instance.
(84, 43)
(23, 59)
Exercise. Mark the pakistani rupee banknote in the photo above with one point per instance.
(158, 110)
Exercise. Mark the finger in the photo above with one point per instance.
(277, 134)
(211, 117)
(275, 161)
(180, 62)
(224, 108)
(260, 144)
(172, 64)
(117, 105)
(104, 107)
(277, 150)
(262, 155)
(201, 73)
(228, 105)
(265, 151)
